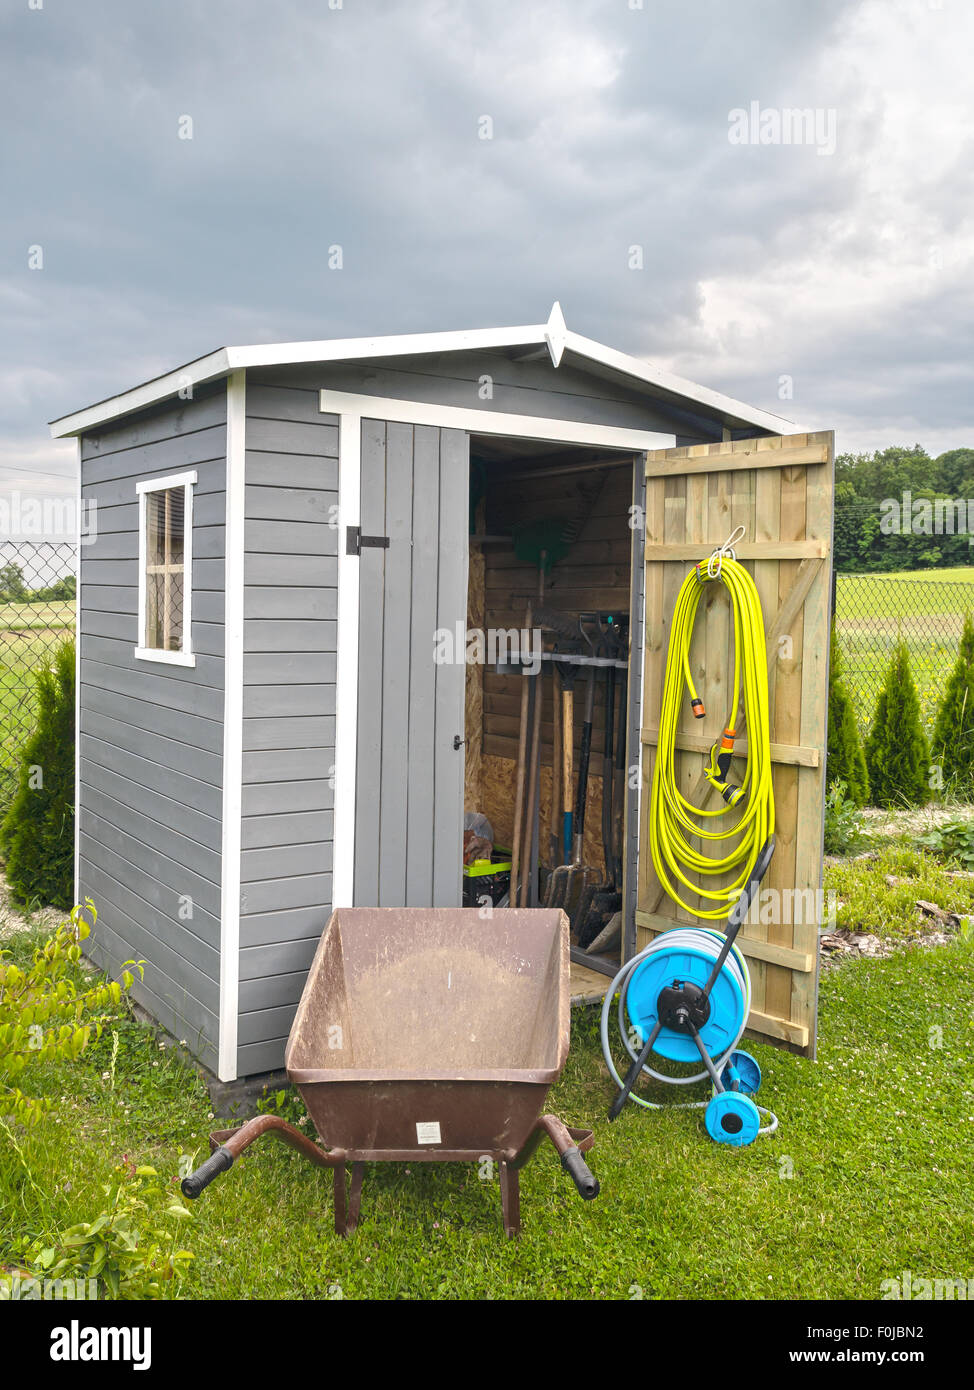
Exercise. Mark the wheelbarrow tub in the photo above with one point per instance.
(432, 1033)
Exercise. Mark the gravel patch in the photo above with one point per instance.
(14, 919)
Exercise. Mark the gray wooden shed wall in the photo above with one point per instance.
(151, 736)
(290, 608)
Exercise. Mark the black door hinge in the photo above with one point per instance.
(355, 542)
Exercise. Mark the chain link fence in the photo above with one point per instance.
(872, 611)
(37, 612)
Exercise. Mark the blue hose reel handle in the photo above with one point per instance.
(685, 963)
(742, 1073)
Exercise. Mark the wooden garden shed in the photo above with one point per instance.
(281, 535)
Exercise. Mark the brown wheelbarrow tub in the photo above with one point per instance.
(427, 1035)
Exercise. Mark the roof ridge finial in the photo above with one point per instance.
(556, 333)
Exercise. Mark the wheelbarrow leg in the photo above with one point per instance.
(511, 1199)
(341, 1226)
(347, 1208)
(355, 1196)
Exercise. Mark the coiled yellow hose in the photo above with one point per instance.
(672, 819)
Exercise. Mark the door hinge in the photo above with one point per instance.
(355, 542)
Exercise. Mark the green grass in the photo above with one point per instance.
(868, 903)
(22, 617)
(876, 1136)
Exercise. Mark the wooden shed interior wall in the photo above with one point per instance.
(594, 574)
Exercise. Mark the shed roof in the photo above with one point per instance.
(554, 337)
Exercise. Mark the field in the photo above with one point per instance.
(926, 608)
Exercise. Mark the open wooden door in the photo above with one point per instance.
(780, 489)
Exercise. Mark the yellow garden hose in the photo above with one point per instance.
(673, 821)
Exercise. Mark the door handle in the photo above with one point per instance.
(458, 743)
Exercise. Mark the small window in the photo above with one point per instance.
(165, 569)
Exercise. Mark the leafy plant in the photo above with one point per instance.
(286, 1103)
(846, 758)
(953, 840)
(43, 1015)
(37, 833)
(953, 733)
(897, 754)
(131, 1246)
(844, 821)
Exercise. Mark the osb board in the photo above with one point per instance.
(497, 784)
(696, 496)
(594, 574)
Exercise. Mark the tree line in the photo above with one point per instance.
(901, 509)
(14, 588)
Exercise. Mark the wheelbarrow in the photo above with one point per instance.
(428, 1035)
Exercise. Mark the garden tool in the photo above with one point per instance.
(572, 884)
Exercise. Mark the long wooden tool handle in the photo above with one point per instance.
(519, 783)
(568, 735)
(554, 830)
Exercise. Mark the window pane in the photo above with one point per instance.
(164, 578)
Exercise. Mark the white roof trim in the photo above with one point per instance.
(554, 335)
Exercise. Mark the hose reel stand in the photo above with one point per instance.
(687, 997)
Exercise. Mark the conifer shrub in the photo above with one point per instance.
(847, 758)
(37, 832)
(897, 753)
(952, 745)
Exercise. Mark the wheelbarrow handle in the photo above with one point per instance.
(218, 1162)
(581, 1175)
(571, 1145)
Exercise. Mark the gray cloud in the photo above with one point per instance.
(850, 273)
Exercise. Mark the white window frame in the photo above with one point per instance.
(185, 657)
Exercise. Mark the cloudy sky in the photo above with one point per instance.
(843, 263)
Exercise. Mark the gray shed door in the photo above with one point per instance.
(409, 775)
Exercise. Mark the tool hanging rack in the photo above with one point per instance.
(587, 644)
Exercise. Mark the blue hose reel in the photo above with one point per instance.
(686, 998)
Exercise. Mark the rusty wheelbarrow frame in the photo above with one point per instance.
(493, 1019)
(226, 1145)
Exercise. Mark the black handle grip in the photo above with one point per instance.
(218, 1162)
(740, 909)
(574, 1164)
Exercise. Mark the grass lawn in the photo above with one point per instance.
(868, 1174)
(879, 894)
(925, 607)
